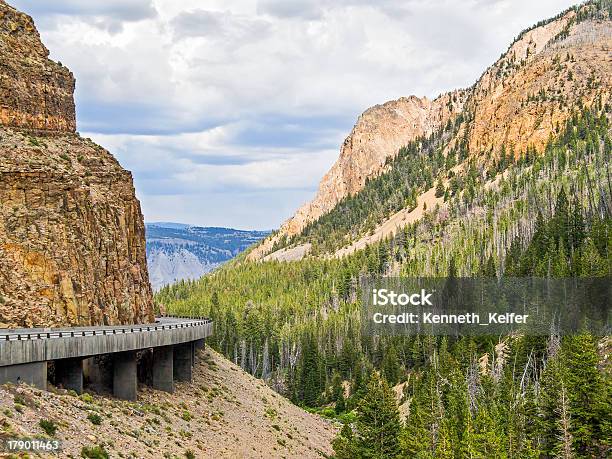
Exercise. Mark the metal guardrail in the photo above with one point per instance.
(97, 331)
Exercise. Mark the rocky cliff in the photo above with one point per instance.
(378, 134)
(72, 245)
(518, 103)
(35, 92)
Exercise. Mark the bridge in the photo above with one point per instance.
(109, 357)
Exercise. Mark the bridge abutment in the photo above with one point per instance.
(69, 374)
(163, 368)
(125, 377)
(183, 362)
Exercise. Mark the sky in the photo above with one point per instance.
(229, 112)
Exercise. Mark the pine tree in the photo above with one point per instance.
(560, 224)
(489, 269)
(378, 422)
(588, 394)
(550, 393)
(345, 445)
(337, 393)
(311, 379)
(592, 264)
(418, 439)
(577, 230)
(440, 190)
(390, 365)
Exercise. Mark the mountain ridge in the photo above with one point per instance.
(515, 103)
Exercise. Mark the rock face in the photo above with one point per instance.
(378, 134)
(532, 89)
(35, 92)
(518, 102)
(72, 245)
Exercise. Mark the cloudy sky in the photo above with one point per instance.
(228, 112)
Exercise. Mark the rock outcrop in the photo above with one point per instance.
(378, 134)
(518, 103)
(531, 91)
(35, 92)
(72, 245)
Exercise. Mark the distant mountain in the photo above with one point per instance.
(178, 251)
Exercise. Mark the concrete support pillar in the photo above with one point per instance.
(183, 361)
(163, 368)
(69, 374)
(125, 378)
(34, 374)
(98, 373)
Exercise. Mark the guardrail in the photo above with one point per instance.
(24, 336)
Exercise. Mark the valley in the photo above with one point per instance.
(515, 181)
(177, 251)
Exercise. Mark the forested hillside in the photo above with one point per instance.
(540, 211)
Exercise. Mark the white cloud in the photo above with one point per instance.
(199, 98)
(108, 14)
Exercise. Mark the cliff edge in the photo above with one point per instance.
(72, 245)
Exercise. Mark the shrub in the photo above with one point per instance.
(94, 452)
(189, 454)
(186, 416)
(94, 418)
(48, 426)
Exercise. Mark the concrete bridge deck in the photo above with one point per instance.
(25, 353)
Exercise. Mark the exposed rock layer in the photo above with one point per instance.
(72, 247)
(35, 92)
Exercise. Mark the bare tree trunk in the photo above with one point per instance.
(565, 436)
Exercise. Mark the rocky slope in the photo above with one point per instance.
(378, 134)
(223, 413)
(176, 251)
(518, 102)
(72, 239)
